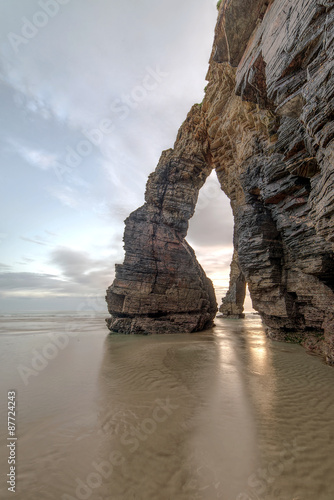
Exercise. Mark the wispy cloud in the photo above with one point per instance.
(4, 267)
(67, 196)
(34, 156)
(79, 267)
(40, 159)
(32, 240)
(24, 281)
(78, 274)
(75, 273)
(26, 260)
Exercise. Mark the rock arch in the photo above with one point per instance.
(266, 125)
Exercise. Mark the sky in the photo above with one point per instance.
(91, 93)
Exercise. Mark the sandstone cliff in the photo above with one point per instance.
(266, 125)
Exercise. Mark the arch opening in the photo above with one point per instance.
(210, 234)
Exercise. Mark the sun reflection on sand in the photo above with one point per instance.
(260, 365)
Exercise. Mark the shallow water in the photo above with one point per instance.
(222, 414)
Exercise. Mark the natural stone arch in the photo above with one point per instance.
(211, 228)
(266, 125)
(160, 287)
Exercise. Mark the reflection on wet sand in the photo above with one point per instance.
(181, 424)
(225, 414)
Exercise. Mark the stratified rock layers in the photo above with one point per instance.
(266, 125)
(160, 287)
(233, 303)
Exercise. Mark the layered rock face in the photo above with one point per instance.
(233, 303)
(266, 125)
(284, 212)
(160, 287)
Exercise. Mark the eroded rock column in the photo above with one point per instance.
(160, 287)
(232, 305)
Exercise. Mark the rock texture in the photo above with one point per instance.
(266, 125)
(160, 287)
(233, 303)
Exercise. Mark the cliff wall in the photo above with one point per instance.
(266, 125)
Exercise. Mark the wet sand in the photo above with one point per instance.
(224, 414)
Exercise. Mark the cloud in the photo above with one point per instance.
(212, 223)
(72, 263)
(5, 267)
(36, 157)
(78, 273)
(80, 268)
(54, 91)
(24, 281)
(210, 234)
(216, 263)
(40, 159)
(26, 260)
(215, 259)
(38, 241)
(102, 56)
(26, 284)
(67, 196)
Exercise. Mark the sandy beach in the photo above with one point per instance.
(222, 414)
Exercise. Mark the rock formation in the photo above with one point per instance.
(233, 303)
(160, 287)
(266, 125)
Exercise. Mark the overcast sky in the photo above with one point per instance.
(91, 92)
